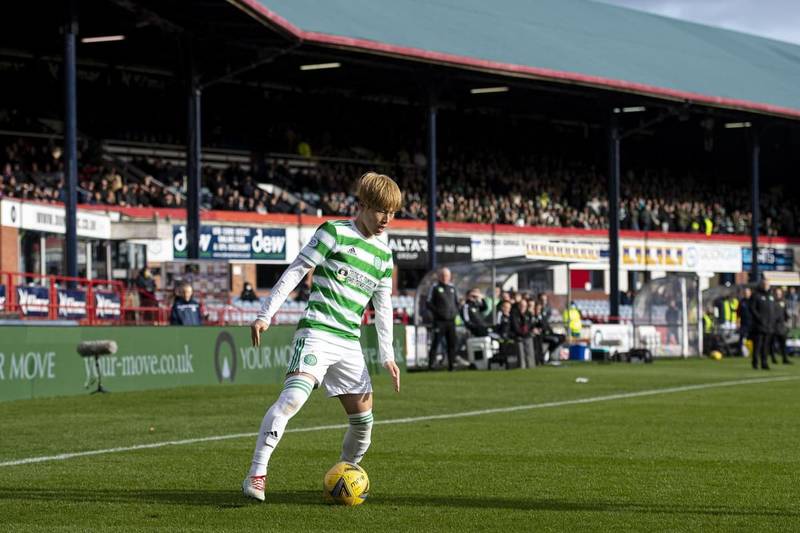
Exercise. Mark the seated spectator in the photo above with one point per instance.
(248, 294)
(473, 313)
(185, 309)
(546, 341)
(503, 321)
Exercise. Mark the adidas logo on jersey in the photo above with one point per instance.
(352, 250)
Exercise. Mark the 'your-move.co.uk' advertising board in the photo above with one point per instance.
(42, 361)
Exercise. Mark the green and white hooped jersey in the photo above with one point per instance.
(349, 270)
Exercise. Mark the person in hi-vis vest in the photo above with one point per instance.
(572, 321)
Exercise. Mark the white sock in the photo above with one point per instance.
(296, 390)
(358, 437)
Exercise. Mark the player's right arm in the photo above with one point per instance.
(319, 248)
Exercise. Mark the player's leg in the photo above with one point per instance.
(296, 390)
(349, 381)
(358, 436)
(301, 378)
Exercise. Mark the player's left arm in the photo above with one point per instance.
(382, 302)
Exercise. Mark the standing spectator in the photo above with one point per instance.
(547, 310)
(779, 330)
(792, 306)
(443, 304)
(761, 309)
(745, 318)
(573, 322)
(185, 309)
(538, 326)
(673, 317)
(146, 288)
(248, 294)
(521, 329)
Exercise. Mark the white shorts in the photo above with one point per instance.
(336, 363)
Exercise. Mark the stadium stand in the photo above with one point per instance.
(533, 190)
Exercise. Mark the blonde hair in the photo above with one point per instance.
(379, 192)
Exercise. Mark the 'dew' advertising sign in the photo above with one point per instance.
(233, 242)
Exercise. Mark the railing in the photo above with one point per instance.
(39, 297)
(30, 296)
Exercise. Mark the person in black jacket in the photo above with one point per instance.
(503, 322)
(473, 313)
(780, 330)
(443, 305)
(745, 318)
(248, 294)
(185, 309)
(761, 311)
(522, 329)
(673, 317)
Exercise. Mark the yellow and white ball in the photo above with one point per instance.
(346, 484)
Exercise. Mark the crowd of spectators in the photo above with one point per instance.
(546, 191)
(32, 169)
(532, 190)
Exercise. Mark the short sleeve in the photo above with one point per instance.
(321, 245)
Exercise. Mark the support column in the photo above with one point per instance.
(432, 185)
(613, 217)
(755, 152)
(70, 141)
(89, 265)
(193, 169)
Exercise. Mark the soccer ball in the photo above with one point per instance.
(716, 355)
(346, 484)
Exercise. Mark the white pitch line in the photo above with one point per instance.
(579, 401)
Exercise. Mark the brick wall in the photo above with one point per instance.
(9, 249)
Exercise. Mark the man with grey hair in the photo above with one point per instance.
(762, 312)
(442, 303)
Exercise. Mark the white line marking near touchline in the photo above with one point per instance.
(510, 409)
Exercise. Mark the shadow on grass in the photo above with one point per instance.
(232, 499)
(229, 499)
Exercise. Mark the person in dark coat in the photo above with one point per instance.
(673, 317)
(473, 313)
(248, 294)
(779, 330)
(745, 318)
(185, 309)
(146, 287)
(503, 322)
(761, 311)
(522, 329)
(442, 303)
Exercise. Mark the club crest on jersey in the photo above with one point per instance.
(342, 274)
(313, 242)
(377, 262)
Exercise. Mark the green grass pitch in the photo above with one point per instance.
(721, 458)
